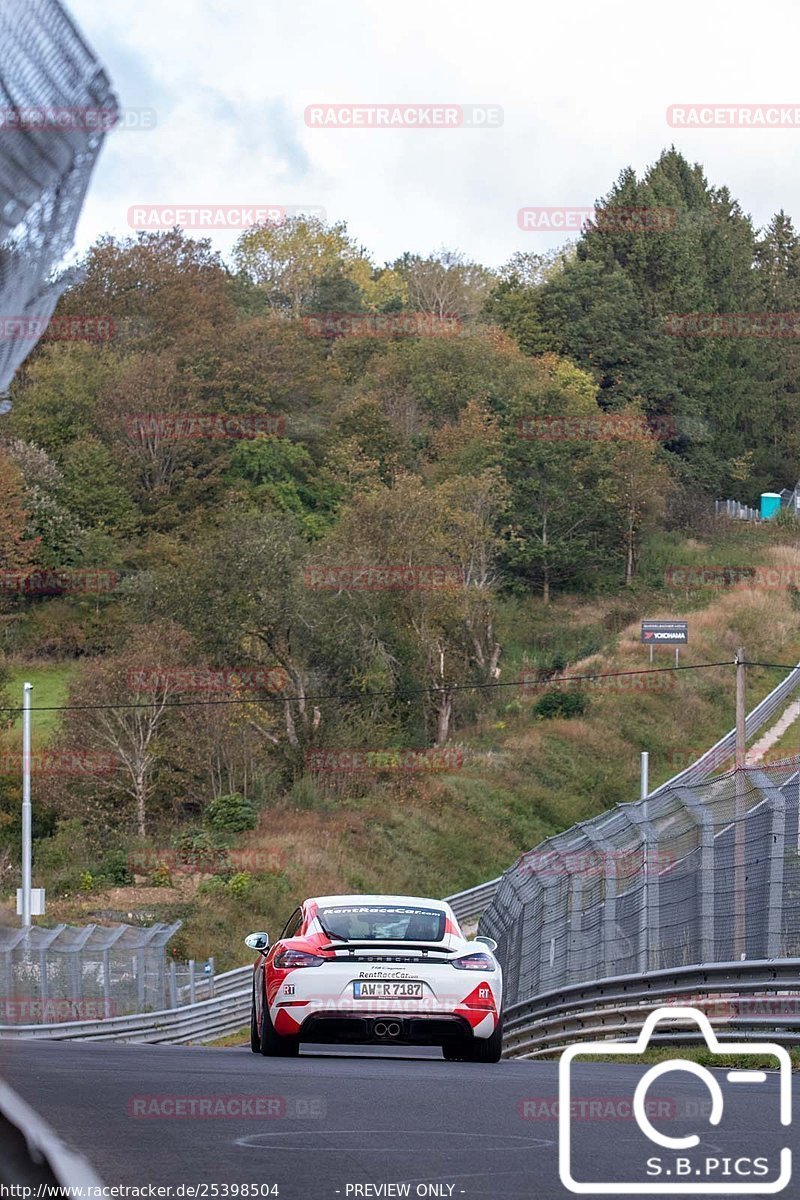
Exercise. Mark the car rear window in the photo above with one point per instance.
(379, 922)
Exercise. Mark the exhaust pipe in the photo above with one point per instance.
(387, 1029)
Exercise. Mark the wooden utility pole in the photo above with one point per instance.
(739, 832)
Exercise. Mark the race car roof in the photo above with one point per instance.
(333, 901)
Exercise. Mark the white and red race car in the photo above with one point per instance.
(380, 970)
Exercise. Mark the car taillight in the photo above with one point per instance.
(474, 962)
(286, 959)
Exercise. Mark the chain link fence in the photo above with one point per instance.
(92, 972)
(55, 106)
(700, 874)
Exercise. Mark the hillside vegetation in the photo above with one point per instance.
(244, 538)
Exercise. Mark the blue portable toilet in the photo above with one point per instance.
(770, 503)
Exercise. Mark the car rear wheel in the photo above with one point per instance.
(487, 1050)
(270, 1043)
(255, 1036)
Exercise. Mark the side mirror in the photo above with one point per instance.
(257, 941)
(487, 941)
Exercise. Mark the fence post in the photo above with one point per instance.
(173, 984)
(706, 875)
(211, 969)
(608, 875)
(107, 983)
(777, 857)
(192, 984)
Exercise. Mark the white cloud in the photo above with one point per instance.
(584, 87)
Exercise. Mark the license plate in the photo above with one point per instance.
(381, 990)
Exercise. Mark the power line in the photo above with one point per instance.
(530, 681)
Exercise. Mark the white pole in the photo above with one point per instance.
(26, 805)
(645, 777)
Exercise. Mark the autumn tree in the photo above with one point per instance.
(17, 549)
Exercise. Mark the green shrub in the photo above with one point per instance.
(160, 876)
(232, 814)
(203, 850)
(560, 704)
(240, 885)
(115, 869)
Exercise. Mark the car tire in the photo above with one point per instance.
(485, 1050)
(255, 1037)
(270, 1043)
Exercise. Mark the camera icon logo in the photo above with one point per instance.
(683, 1167)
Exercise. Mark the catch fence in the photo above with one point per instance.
(692, 874)
(71, 973)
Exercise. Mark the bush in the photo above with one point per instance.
(160, 876)
(231, 814)
(116, 870)
(202, 850)
(560, 704)
(240, 885)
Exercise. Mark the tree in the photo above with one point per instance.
(16, 547)
(124, 702)
(636, 488)
(445, 283)
(290, 261)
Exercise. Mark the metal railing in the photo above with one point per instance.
(733, 508)
(710, 762)
(742, 1000)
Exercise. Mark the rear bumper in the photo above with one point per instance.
(393, 1028)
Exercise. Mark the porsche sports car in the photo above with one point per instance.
(383, 970)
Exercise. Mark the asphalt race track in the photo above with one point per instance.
(338, 1119)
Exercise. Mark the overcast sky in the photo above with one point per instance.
(584, 89)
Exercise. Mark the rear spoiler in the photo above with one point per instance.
(424, 947)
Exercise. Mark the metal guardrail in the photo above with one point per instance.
(615, 1009)
(31, 1153)
(470, 904)
(199, 1022)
